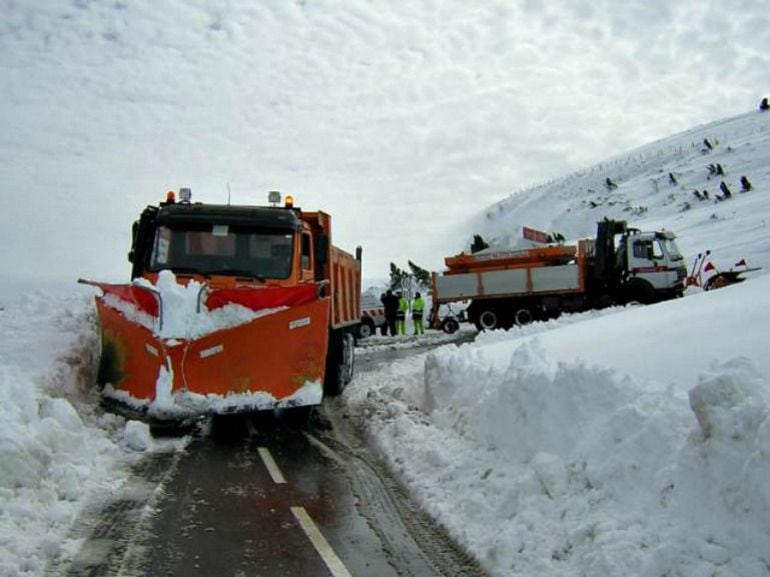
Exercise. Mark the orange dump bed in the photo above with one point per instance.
(345, 289)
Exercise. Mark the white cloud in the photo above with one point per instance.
(108, 104)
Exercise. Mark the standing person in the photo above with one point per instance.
(390, 303)
(418, 307)
(384, 325)
(403, 308)
(745, 184)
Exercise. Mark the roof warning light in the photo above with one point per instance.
(185, 194)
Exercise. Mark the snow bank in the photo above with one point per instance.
(549, 454)
(57, 450)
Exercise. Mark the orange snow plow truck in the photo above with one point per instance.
(230, 309)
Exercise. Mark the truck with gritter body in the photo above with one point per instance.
(620, 265)
(278, 304)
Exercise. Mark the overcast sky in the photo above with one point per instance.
(378, 112)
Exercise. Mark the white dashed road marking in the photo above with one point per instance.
(320, 543)
(272, 468)
(310, 529)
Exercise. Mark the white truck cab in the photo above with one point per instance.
(652, 258)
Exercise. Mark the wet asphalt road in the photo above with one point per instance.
(225, 514)
(266, 496)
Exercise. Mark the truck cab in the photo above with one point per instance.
(650, 264)
(227, 246)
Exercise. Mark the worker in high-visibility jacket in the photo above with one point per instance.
(418, 308)
(401, 312)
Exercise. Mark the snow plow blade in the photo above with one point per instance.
(274, 360)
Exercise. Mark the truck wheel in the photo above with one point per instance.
(348, 358)
(523, 316)
(365, 329)
(450, 326)
(488, 320)
(339, 363)
(640, 292)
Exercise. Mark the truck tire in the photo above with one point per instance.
(365, 329)
(523, 316)
(639, 291)
(488, 320)
(339, 363)
(450, 326)
(348, 358)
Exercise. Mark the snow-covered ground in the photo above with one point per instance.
(631, 441)
(58, 451)
(627, 442)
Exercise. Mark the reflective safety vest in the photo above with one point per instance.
(403, 308)
(418, 306)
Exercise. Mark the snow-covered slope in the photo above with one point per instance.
(647, 197)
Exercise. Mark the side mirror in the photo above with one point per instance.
(134, 228)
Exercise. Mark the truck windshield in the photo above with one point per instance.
(222, 249)
(670, 248)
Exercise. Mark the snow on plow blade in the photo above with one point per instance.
(268, 352)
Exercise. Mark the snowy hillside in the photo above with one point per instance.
(648, 198)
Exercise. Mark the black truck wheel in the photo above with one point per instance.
(348, 358)
(639, 291)
(339, 363)
(488, 320)
(365, 329)
(523, 316)
(450, 326)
